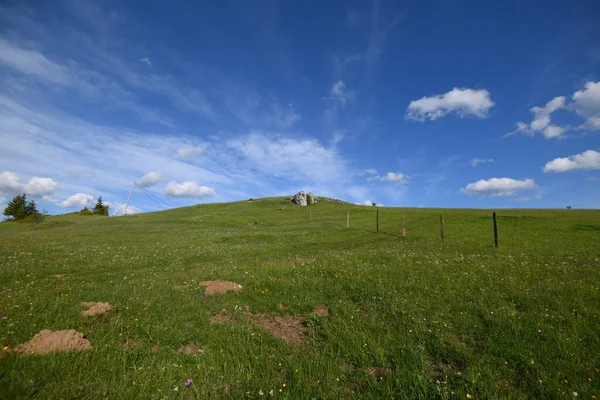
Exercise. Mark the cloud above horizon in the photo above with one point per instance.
(498, 187)
(589, 160)
(462, 102)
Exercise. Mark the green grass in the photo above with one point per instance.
(440, 320)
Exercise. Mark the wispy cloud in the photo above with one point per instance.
(147, 61)
(377, 37)
(476, 161)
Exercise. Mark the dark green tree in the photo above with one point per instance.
(17, 207)
(100, 208)
(30, 208)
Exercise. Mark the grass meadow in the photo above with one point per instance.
(409, 317)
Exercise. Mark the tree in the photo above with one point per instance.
(100, 208)
(568, 207)
(30, 208)
(19, 208)
(374, 204)
(16, 208)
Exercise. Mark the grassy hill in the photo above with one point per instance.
(405, 317)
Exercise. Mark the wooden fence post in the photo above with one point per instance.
(377, 221)
(309, 213)
(403, 225)
(348, 220)
(495, 230)
(442, 226)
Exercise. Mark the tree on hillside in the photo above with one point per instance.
(100, 208)
(19, 208)
(30, 208)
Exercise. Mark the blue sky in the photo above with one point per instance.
(414, 103)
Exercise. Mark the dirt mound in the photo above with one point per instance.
(59, 276)
(95, 308)
(190, 349)
(223, 317)
(321, 310)
(378, 372)
(213, 287)
(47, 341)
(288, 328)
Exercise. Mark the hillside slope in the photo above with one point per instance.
(400, 317)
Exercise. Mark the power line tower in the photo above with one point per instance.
(129, 198)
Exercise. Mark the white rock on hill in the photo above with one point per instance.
(303, 199)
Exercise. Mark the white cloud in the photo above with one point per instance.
(463, 102)
(542, 122)
(395, 177)
(476, 161)
(188, 189)
(587, 160)
(78, 200)
(390, 177)
(367, 203)
(498, 187)
(40, 186)
(150, 179)
(36, 186)
(586, 104)
(146, 60)
(188, 151)
(9, 182)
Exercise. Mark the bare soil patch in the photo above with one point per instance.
(191, 349)
(281, 307)
(288, 328)
(321, 310)
(213, 287)
(129, 344)
(47, 341)
(378, 372)
(399, 246)
(95, 308)
(223, 317)
(59, 276)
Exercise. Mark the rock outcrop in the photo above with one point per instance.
(304, 199)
